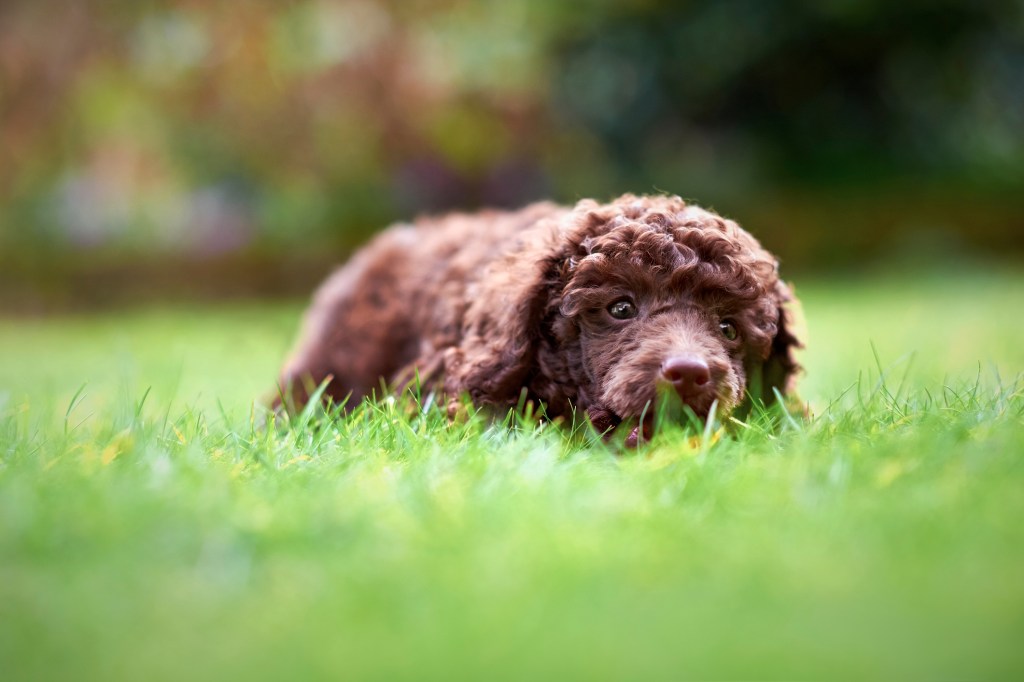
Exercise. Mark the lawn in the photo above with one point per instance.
(149, 529)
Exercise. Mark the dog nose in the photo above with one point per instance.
(686, 373)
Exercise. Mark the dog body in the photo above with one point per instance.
(597, 306)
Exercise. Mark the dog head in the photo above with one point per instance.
(636, 299)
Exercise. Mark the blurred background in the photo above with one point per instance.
(172, 149)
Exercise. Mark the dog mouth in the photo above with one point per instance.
(641, 433)
(666, 407)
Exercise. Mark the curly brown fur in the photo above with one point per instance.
(495, 303)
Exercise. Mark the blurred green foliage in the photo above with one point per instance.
(179, 131)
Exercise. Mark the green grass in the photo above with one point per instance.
(148, 530)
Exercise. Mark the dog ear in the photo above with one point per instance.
(502, 328)
(780, 369)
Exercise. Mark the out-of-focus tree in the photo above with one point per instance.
(199, 129)
(829, 92)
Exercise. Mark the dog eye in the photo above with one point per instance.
(728, 330)
(622, 310)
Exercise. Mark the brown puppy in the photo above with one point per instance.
(599, 306)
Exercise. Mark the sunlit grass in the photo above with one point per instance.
(169, 535)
